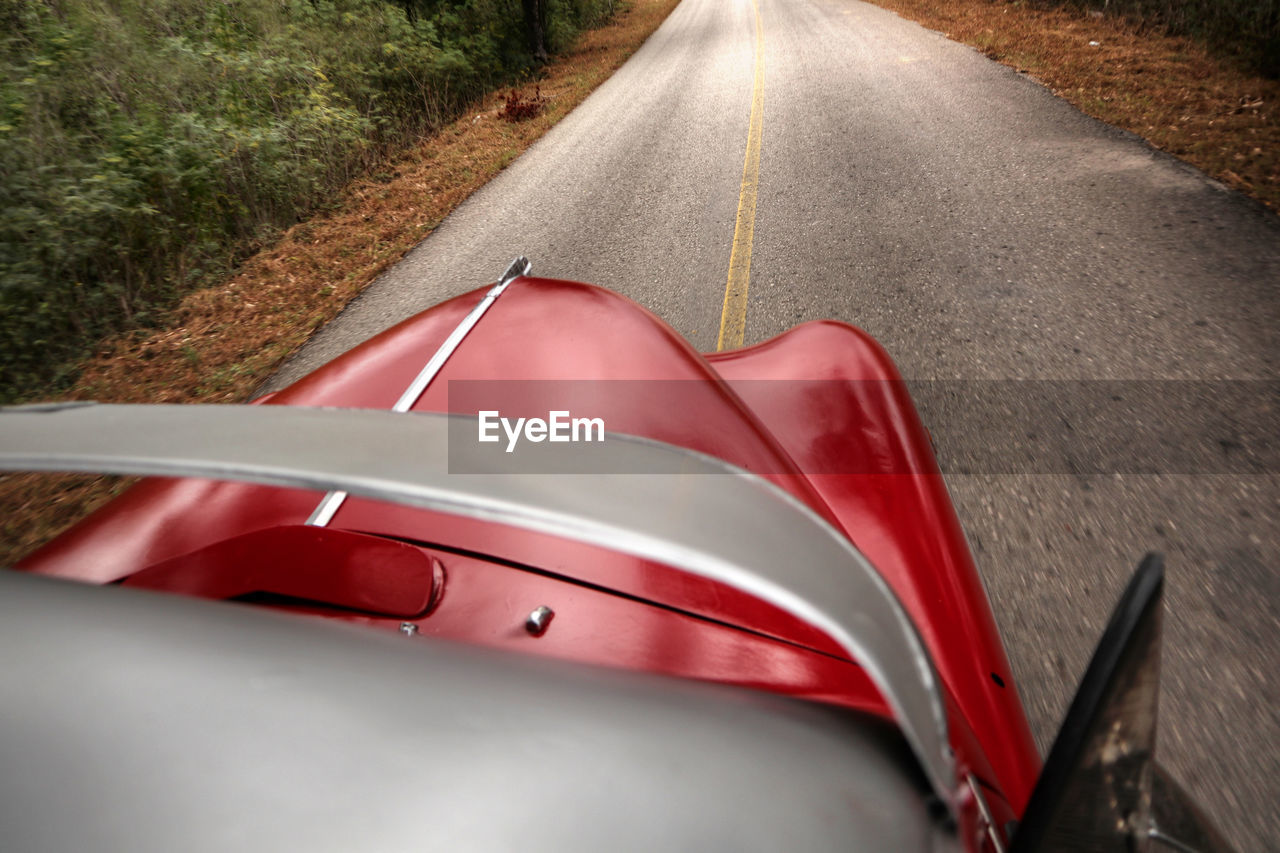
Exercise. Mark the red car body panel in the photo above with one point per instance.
(839, 434)
(902, 519)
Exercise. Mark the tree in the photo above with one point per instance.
(535, 23)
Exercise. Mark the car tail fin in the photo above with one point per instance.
(1100, 789)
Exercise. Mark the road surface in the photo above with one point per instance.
(990, 236)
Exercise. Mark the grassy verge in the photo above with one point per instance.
(224, 341)
(1169, 90)
(149, 146)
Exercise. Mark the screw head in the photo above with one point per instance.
(538, 620)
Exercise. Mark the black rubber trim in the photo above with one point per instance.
(1139, 603)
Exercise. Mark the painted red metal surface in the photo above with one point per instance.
(345, 570)
(487, 603)
(839, 434)
(831, 395)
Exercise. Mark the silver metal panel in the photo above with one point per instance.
(712, 519)
(136, 721)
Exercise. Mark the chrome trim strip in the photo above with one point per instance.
(984, 811)
(520, 266)
(710, 519)
(1154, 834)
(325, 510)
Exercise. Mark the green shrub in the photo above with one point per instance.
(147, 145)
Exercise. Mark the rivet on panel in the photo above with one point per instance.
(538, 620)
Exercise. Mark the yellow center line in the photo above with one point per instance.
(733, 318)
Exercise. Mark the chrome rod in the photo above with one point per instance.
(330, 504)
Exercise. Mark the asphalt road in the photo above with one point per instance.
(981, 229)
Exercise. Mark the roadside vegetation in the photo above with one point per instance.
(217, 344)
(147, 146)
(1195, 78)
(1246, 31)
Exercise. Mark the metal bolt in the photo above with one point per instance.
(408, 629)
(538, 620)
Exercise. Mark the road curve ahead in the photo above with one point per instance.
(1002, 246)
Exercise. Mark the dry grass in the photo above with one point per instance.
(1169, 91)
(223, 342)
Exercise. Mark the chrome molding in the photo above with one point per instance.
(711, 519)
(1172, 843)
(984, 812)
(325, 510)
